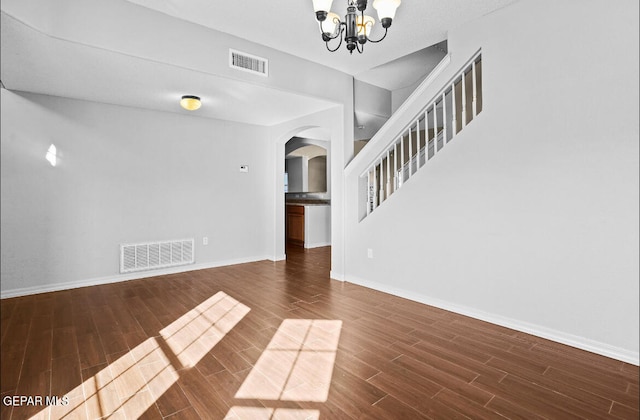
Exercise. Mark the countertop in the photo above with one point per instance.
(308, 202)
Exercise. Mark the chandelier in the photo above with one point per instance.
(356, 27)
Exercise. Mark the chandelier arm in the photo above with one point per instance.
(360, 47)
(383, 37)
(338, 31)
(339, 43)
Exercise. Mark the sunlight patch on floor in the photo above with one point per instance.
(208, 322)
(297, 365)
(265, 413)
(131, 384)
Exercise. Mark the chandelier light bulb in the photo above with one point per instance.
(365, 25)
(330, 25)
(386, 10)
(322, 8)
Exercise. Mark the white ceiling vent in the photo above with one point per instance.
(247, 62)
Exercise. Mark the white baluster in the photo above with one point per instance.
(417, 143)
(426, 135)
(375, 188)
(474, 88)
(395, 167)
(464, 100)
(381, 195)
(444, 119)
(410, 153)
(401, 161)
(435, 128)
(454, 126)
(369, 193)
(388, 175)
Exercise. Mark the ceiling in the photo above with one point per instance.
(34, 61)
(309, 151)
(290, 26)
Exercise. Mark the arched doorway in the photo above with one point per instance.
(307, 190)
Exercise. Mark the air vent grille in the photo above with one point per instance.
(247, 62)
(151, 255)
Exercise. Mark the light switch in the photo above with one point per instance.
(244, 168)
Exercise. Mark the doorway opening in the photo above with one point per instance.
(307, 192)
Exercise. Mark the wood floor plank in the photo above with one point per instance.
(187, 414)
(113, 342)
(408, 387)
(511, 410)
(171, 401)
(64, 342)
(465, 406)
(206, 402)
(90, 350)
(14, 339)
(103, 347)
(624, 412)
(537, 399)
(355, 366)
(598, 388)
(6, 409)
(391, 408)
(63, 313)
(589, 399)
(10, 368)
(32, 384)
(461, 360)
(431, 362)
(446, 380)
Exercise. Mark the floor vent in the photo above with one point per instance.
(151, 255)
(247, 62)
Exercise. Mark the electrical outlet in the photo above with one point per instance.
(205, 241)
(369, 252)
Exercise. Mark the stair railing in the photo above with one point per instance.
(438, 122)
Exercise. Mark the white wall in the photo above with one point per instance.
(371, 99)
(529, 218)
(398, 96)
(125, 175)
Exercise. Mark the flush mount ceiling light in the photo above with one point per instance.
(190, 102)
(356, 27)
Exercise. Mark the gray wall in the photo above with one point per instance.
(528, 218)
(294, 166)
(318, 174)
(125, 175)
(372, 106)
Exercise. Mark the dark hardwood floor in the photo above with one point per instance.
(282, 340)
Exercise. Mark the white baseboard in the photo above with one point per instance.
(123, 277)
(277, 258)
(336, 276)
(533, 329)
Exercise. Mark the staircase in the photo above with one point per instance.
(409, 148)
